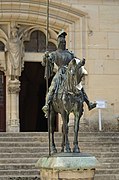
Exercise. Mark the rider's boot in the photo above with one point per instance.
(90, 105)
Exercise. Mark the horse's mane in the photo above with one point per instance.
(68, 80)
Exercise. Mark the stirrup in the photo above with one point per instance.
(92, 106)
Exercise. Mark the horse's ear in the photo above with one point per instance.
(73, 61)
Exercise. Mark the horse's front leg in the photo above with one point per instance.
(77, 115)
(52, 127)
(76, 148)
(65, 141)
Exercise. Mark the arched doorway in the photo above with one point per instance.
(32, 98)
(33, 87)
(2, 97)
(2, 103)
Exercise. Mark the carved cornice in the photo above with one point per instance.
(35, 12)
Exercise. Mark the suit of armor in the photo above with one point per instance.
(61, 57)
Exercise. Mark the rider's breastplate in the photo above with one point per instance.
(62, 58)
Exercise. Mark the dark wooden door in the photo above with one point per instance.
(2, 103)
(32, 98)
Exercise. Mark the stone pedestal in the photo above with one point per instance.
(67, 166)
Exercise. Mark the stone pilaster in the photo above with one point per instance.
(13, 90)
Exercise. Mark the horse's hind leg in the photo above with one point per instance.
(52, 127)
(75, 143)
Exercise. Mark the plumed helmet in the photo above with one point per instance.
(62, 33)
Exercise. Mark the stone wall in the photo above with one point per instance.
(102, 55)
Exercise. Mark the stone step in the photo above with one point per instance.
(45, 134)
(109, 160)
(103, 163)
(21, 177)
(26, 134)
(106, 177)
(110, 165)
(90, 149)
(24, 149)
(97, 177)
(22, 155)
(45, 152)
(99, 149)
(18, 160)
(20, 166)
(19, 153)
(19, 172)
(45, 144)
(57, 139)
(99, 154)
(34, 160)
(107, 171)
(31, 165)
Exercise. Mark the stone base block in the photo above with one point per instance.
(67, 166)
(47, 174)
(13, 128)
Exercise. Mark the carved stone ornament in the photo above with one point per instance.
(14, 122)
(14, 86)
(14, 53)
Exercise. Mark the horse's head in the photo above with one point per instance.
(76, 71)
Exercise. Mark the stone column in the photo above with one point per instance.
(13, 90)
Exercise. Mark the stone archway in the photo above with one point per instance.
(2, 102)
(28, 16)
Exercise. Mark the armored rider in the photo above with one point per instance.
(61, 57)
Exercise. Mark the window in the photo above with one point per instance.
(37, 43)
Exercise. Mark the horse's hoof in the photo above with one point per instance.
(54, 150)
(62, 150)
(76, 150)
(68, 150)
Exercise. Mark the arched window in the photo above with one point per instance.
(37, 43)
(51, 46)
(2, 46)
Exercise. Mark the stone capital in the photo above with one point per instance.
(14, 86)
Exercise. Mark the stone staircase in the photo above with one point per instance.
(20, 151)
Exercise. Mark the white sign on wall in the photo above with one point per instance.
(101, 104)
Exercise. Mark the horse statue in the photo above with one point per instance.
(69, 99)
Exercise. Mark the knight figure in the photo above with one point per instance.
(61, 57)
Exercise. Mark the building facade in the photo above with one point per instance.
(93, 32)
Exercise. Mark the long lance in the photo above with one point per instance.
(47, 73)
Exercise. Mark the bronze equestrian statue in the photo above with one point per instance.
(66, 91)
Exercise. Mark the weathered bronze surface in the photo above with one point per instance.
(66, 93)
